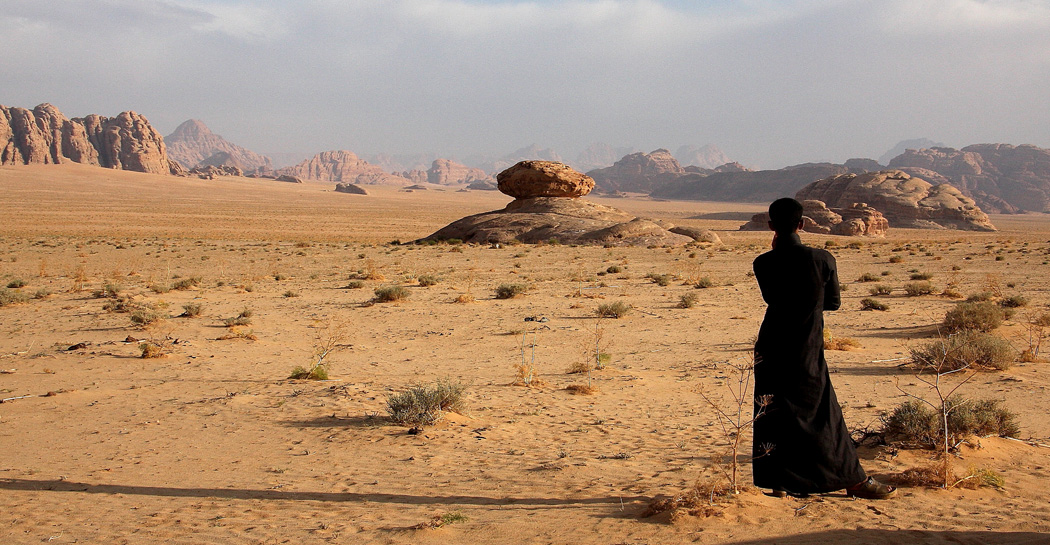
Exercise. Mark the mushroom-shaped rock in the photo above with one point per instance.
(529, 179)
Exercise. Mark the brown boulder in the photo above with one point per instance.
(289, 179)
(905, 201)
(347, 187)
(529, 179)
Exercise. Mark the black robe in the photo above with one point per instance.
(801, 443)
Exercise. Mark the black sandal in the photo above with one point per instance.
(871, 489)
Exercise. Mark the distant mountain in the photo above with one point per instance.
(599, 155)
(707, 156)
(342, 166)
(904, 145)
(746, 185)
(495, 165)
(193, 144)
(44, 136)
(637, 172)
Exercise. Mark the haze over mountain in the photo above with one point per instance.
(193, 143)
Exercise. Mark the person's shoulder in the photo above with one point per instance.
(763, 257)
(821, 253)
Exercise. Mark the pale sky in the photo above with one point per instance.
(771, 83)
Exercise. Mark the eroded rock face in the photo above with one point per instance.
(529, 179)
(857, 220)
(904, 200)
(446, 172)
(209, 172)
(342, 166)
(44, 136)
(638, 172)
(1017, 175)
(194, 145)
(347, 187)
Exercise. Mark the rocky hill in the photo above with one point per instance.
(707, 156)
(904, 200)
(638, 172)
(43, 135)
(745, 185)
(993, 174)
(342, 166)
(193, 144)
(446, 172)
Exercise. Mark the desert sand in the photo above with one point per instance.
(212, 443)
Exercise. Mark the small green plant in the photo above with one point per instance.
(390, 294)
(617, 309)
(614, 269)
(423, 405)
(659, 279)
(915, 289)
(510, 291)
(981, 316)
(872, 304)
(880, 289)
(302, 373)
(242, 319)
(896, 259)
(108, 290)
(42, 293)
(160, 288)
(354, 285)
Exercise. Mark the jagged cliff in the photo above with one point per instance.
(44, 136)
(194, 145)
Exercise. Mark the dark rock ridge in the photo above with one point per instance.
(209, 172)
(745, 185)
(342, 166)
(536, 216)
(193, 144)
(904, 200)
(44, 136)
(992, 173)
(857, 220)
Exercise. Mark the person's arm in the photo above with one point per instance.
(832, 297)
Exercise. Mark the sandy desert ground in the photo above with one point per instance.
(212, 443)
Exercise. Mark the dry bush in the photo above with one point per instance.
(238, 333)
(186, 283)
(868, 277)
(967, 348)
(145, 316)
(581, 389)
(880, 289)
(302, 373)
(427, 280)
(242, 319)
(659, 279)
(844, 344)
(871, 304)
(371, 271)
(390, 294)
(510, 291)
(1014, 301)
(921, 276)
(422, 405)
(108, 290)
(1034, 332)
(12, 297)
(980, 316)
(353, 285)
(917, 423)
(617, 309)
(191, 310)
(688, 300)
(464, 298)
(704, 283)
(915, 289)
(291, 293)
(938, 473)
(151, 350)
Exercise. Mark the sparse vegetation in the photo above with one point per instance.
(1013, 301)
(966, 348)
(915, 289)
(510, 291)
(845, 344)
(186, 283)
(423, 405)
(872, 304)
(291, 293)
(150, 349)
(191, 310)
(703, 283)
(868, 277)
(427, 280)
(145, 316)
(880, 289)
(919, 424)
(980, 316)
(659, 279)
(390, 294)
(688, 300)
(242, 319)
(617, 309)
(12, 297)
(921, 276)
(16, 283)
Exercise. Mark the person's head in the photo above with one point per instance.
(785, 215)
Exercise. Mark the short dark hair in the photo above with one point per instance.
(785, 214)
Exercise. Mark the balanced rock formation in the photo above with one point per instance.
(193, 144)
(906, 201)
(638, 172)
(547, 206)
(857, 220)
(446, 172)
(991, 173)
(342, 166)
(44, 136)
(543, 179)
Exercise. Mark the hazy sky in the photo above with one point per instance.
(771, 83)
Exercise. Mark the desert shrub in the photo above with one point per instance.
(880, 289)
(1013, 301)
(617, 309)
(939, 473)
(354, 285)
(390, 294)
(978, 297)
(704, 282)
(145, 316)
(839, 343)
(688, 300)
(868, 277)
(966, 348)
(896, 259)
(614, 269)
(318, 372)
(151, 350)
(160, 288)
(981, 316)
(108, 290)
(42, 293)
(422, 405)
(291, 293)
(510, 291)
(242, 319)
(659, 279)
(581, 389)
(871, 304)
(186, 283)
(915, 289)
(191, 310)
(16, 283)
(123, 303)
(917, 423)
(11, 297)
(464, 298)
(921, 276)
(427, 280)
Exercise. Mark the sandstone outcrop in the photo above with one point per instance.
(745, 185)
(446, 172)
(857, 220)
(348, 187)
(547, 206)
(991, 173)
(342, 166)
(44, 136)
(289, 179)
(482, 185)
(638, 172)
(543, 179)
(193, 144)
(415, 176)
(209, 172)
(904, 200)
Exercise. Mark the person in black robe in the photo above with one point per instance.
(801, 443)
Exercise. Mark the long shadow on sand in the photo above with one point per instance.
(280, 495)
(904, 537)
